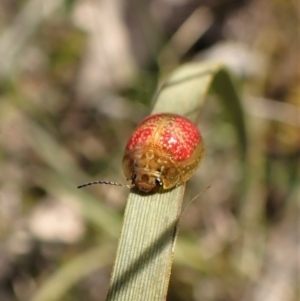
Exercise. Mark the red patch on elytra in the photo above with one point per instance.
(139, 138)
(177, 136)
(180, 138)
(144, 133)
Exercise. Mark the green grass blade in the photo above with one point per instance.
(143, 264)
(145, 252)
(222, 85)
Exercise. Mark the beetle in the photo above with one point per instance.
(164, 151)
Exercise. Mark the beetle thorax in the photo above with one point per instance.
(145, 168)
(147, 172)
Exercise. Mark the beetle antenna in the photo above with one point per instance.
(106, 183)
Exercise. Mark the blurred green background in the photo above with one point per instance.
(75, 79)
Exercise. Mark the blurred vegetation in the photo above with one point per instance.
(75, 79)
